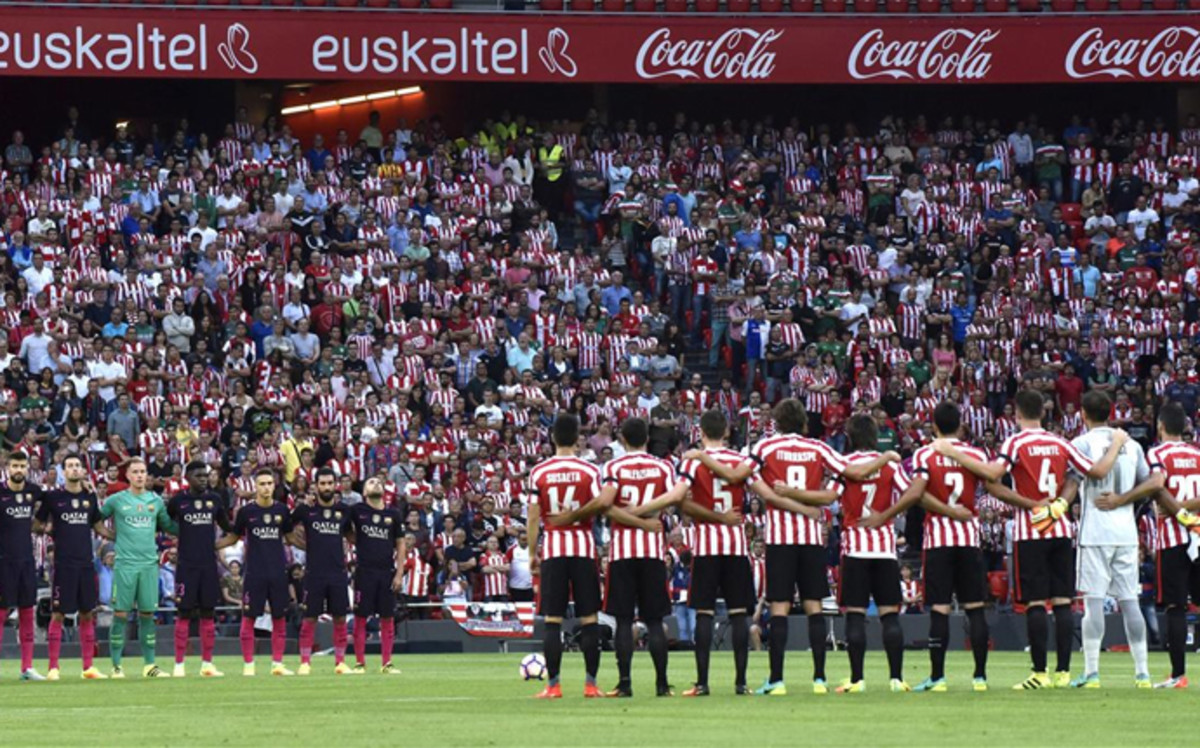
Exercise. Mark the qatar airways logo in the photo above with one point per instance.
(737, 54)
(951, 55)
(1173, 52)
(143, 48)
(468, 53)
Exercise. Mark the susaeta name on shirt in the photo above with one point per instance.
(468, 53)
(143, 48)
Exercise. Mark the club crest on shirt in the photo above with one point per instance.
(387, 520)
(87, 504)
(375, 518)
(268, 518)
(336, 515)
(74, 503)
(328, 514)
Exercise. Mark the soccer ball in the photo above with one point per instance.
(533, 667)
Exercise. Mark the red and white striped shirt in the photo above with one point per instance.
(416, 576)
(494, 585)
(715, 494)
(563, 484)
(1038, 462)
(860, 498)
(801, 463)
(1179, 463)
(639, 478)
(953, 485)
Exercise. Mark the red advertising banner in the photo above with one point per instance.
(624, 48)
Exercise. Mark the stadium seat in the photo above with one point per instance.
(929, 6)
(283, 3)
(1072, 212)
(962, 6)
(586, 6)
(1129, 6)
(441, 4)
(1095, 6)
(807, 6)
(313, 3)
(737, 6)
(409, 4)
(1164, 4)
(866, 6)
(1193, 4)
(219, 2)
(1029, 6)
(896, 6)
(675, 6)
(1062, 6)
(707, 6)
(645, 6)
(996, 6)
(770, 6)
(612, 6)
(833, 6)
(346, 3)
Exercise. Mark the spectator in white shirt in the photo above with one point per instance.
(35, 349)
(38, 275)
(1141, 217)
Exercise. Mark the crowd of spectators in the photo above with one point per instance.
(418, 302)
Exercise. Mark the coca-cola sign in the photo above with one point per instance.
(949, 55)
(736, 54)
(1173, 52)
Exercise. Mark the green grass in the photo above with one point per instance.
(479, 700)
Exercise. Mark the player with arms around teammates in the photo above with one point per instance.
(375, 530)
(1108, 541)
(1043, 553)
(68, 516)
(18, 571)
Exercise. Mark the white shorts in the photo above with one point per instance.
(1108, 570)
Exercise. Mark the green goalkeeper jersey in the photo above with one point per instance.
(136, 521)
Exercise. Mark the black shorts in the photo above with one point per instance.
(520, 595)
(637, 583)
(568, 577)
(729, 577)
(257, 592)
(1044, 569)
(75, 590)
(197, 588)
(796, 566)
(373, 595)
(18, 583)
(864, 578)
(325, 595)
(1178, 577)
(954, 571)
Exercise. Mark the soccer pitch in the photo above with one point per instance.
(474, 700)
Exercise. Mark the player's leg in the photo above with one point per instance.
(554, 588)
(654, 604)
(814, 588)
(1062, 592)
(1033, 588)
(737, 586)
(1125, 587)
(208, 597)
(147, 602)
(385, 606)
(124, 589)
(970, 586)
(339, 608)
(279, 597)
(885, 588)
(702, 597)
(1094, 583)
(939, 580)
(88, 599)
(312, 606)
(619, 602)
(856, 594)
(26, 621)
(1173, 593)
(364, 608)
(186, 599)
(782, 570)
(63, 602)
(585, 586)
(54, 637)
(254, 603)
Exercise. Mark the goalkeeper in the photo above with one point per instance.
(137, 515)
(1107, 556)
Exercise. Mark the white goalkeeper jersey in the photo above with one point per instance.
(1119, 526)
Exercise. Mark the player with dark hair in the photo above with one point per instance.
(567, 488)
(379, 552)
(68, 514)
(1043, 553)
(18, 574)
(198, 512)
(870, 568)
(953, 559)
(325, 577)
(788, 468)
(637, 576)
(265, 525)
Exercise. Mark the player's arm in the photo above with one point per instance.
(988, 471)
(100, 526)
(803, 495)
(775, 499)
(1148, 487)
(1104, 465)
(401, 555)
(608, 494)
(660, 503)
(726, 473)
(164, 521)
(533, 526)
(1009, 496)
(930, 503)
(862, 470)
(1070, 490)
(703, 514)
(41, 518)
(625, 517)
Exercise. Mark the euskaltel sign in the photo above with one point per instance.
(93, 41)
